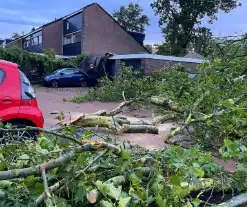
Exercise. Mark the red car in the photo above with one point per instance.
(18, 104)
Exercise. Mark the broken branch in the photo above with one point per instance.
(87, 146)
(46, 188)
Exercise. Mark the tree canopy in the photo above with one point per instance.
(180, 20)
(131, 17)
(15, 35)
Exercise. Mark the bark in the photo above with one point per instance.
(140, 129)
(117, 125)
(60, 184)
(238, 201)
(119, 109)
(94, 195)
(100, 113)
(47, 193)
(205, 183)
(94, 121)
(160, 101)
(52, 189)
(163, 118)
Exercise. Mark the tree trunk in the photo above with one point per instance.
(163, 118)
(140, 129)
(238, 201)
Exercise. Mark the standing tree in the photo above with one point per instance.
(149, 48)
(15, 35)
(131, 17)
(182, 19)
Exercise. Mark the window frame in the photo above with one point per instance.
(4, 75)
(71, 69)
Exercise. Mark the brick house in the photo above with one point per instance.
(150, 62)
(88, 30)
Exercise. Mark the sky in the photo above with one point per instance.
(22, 15)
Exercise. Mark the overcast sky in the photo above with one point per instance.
(21, 15)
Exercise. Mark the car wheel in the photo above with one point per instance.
(54, 83)
(83, 84)
(17, 136)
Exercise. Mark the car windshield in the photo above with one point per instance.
(57, 71)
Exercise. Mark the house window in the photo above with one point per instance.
(73, 38)
(72, 24)
(33, 40)
(40, 39)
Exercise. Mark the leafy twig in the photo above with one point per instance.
(87, 146)
(61, 185)
(41, 130)
(46, 188)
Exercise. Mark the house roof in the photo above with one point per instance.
(77, 12)
(195, 55)
(156, 57)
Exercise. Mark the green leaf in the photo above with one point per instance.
(30, 181)
(80, 194)
(123, 202)
(104, 203)
(61, 116)
(3, 166)
(109, 190)
(39, 149)
(125, 155)
(160, 201)
(196, 202)
(134, 179)
(175, 180)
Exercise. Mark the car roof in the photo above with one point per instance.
(7, 63)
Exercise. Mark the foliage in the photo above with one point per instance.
(227, 48)
(212, 103)
(15, 35)
(182, 20)
(163, 178)
(131, 17)
(150, 48)
(44, 63)
(130, 82)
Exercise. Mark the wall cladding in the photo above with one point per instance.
(102, 34)
(149, 65)
(15, 43)
(53, 37)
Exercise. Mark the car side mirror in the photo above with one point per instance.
(62, 74)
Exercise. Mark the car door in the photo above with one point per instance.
(78, 77)
(10, 93)
(66, 77)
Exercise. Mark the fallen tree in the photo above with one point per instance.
(95, 172)
(117, 124)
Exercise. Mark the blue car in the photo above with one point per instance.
(66, 77)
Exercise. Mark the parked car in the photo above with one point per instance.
(66, 77)
(18, 104)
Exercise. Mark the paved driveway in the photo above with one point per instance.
(50, 100)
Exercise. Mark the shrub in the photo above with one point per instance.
(45, 64)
